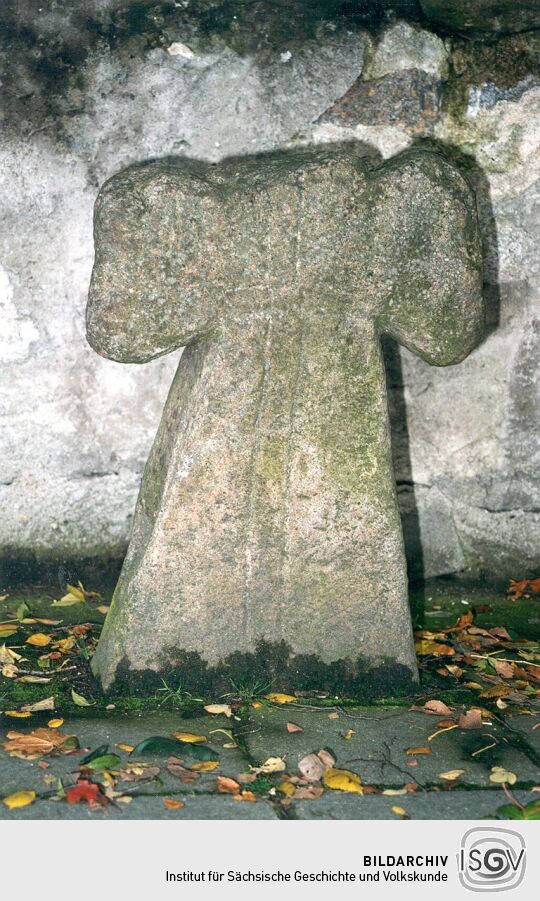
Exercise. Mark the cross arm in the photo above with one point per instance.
(150, 291)
(426, 257)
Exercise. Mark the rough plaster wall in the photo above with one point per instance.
(76, 429)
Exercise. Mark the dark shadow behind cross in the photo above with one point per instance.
(268, 508)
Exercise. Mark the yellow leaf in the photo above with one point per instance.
(425, 647)
(219, 708)
(279, 698)
(173, 804)
(287, 788)
(65, 644)
(451, 775)
(76, 591)
(20, 714)
(496, 691)
(8, 629)
(69, 599)
(19, 799)
(500, 775)
(39, 639)
(394, 791)
(205, 766)
(256, 705)
(343, 780)
(55, 723)
(349, 734)
(399, 810)
(189, 737)
(103, 609)
(127, 748)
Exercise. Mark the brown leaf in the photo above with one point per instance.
(414, 752)
(226, 785)
(245, 796)
(308, 792)
(293, 727)
(472, 719)
(503, 668)
(312, 767)
(173, 804)
(34, 744)
(439, 708)
(326, 757)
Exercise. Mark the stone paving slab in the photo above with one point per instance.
(449, 805)
(377, 750)
(18, 774)
(197, 807)
(525, 725)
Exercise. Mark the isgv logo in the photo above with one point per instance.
(491, 859)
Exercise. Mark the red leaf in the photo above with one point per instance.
(84, 790)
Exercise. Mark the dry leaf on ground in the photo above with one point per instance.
(19, 799)
(225, 709)
(471, 719)
(343, 780)
(190, 737)
(271, 765)
(173, 804)
(279, 698)
(292, 728)
(226, 785)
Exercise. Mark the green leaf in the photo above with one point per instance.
(510, 812)
(22, 610)
(70, 743)
(531, 811)
(106, 762)
(98, 752)
(79, 700)
(163, 745)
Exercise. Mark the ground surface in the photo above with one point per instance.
(466, 746)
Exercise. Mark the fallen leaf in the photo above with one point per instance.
(105, 762)
(333, 716)
(451, 775)
(34, 680)
(245, 796)
(292, 728)
(312, 767)
(19, 799)
(10, 670)
(326, 757)
(271, 765)
(287, 788)
(472, 719)
(225, 709)
(39, 639)
(246, 778)
(18, 714)
(190, 738)
(523, 589)
(173, 804)
(437, 707)
(55, 723)
(68, 600)
(127, 748)
(342, 780)
(37, 743)
(425, 647)
(84, 790)
(503, 668)
(8, 629)
(279, 698)
(226, 785)
(349, 734)
(414, 752)
(45, 704)
(79, 700)
(7, 655)
(103, 609)
(206, 766)
(308, 792)
(395, 791)
(399, 811)
(496, 691)
(499, 775)
(65, 644)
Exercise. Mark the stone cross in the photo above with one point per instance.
(267, 536)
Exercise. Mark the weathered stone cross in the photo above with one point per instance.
(267, 536)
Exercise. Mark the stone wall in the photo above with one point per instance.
(90, 87)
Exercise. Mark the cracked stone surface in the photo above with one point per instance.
(377, 749)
